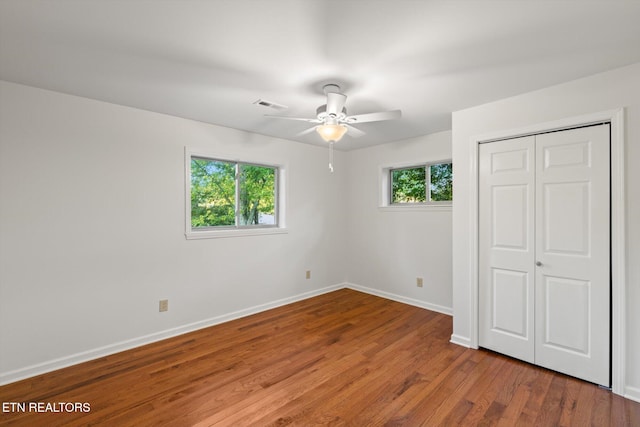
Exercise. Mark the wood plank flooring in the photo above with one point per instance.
(341, 359)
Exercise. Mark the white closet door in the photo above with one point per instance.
(572, 250)
(507, 247)
(544, 243)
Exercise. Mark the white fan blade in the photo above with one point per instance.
(374, 117)
(294, 118)
(335, 103)
(304, 132)
(354, 132)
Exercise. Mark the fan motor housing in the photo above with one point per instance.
(321, 113)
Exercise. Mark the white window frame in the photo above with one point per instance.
(385, 188)
(237, 230)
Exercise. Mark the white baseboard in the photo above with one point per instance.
(74, 359)
(400, 298)
(632, 393)
(459, 340)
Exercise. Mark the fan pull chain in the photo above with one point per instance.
(331, 156)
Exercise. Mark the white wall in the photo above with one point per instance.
(606, 91)
(92, 230)
(388, 249)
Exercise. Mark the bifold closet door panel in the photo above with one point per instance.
(544, 250)
(506, 224)
(573, 252)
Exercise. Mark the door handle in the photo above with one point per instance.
(538, 263)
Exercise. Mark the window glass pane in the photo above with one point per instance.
(212, 193)
(257, 195)
(441, 182)
(408, 185)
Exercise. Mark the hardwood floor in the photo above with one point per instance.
(344, 358)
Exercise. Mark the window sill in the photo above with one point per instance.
(220, 234)
(416, 208)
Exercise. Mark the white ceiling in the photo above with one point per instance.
(210, 60)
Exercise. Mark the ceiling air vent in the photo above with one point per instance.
(269, 104)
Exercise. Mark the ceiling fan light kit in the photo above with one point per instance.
(331, 132)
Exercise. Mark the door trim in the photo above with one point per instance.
(618, 227)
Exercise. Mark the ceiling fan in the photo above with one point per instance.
(332, 121)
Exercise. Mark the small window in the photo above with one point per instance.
(232, 195)
(422, 184)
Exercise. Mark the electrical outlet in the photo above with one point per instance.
(164, 305)
(308, 274)
(419, 282)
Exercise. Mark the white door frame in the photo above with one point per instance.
(618, 229)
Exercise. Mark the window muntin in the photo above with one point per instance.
(421, 184)
(232, 195)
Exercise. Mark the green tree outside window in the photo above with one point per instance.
(441, 182)
(229, 194)
(422, 184)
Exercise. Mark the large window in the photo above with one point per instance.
(228, 195)
(421, 184)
